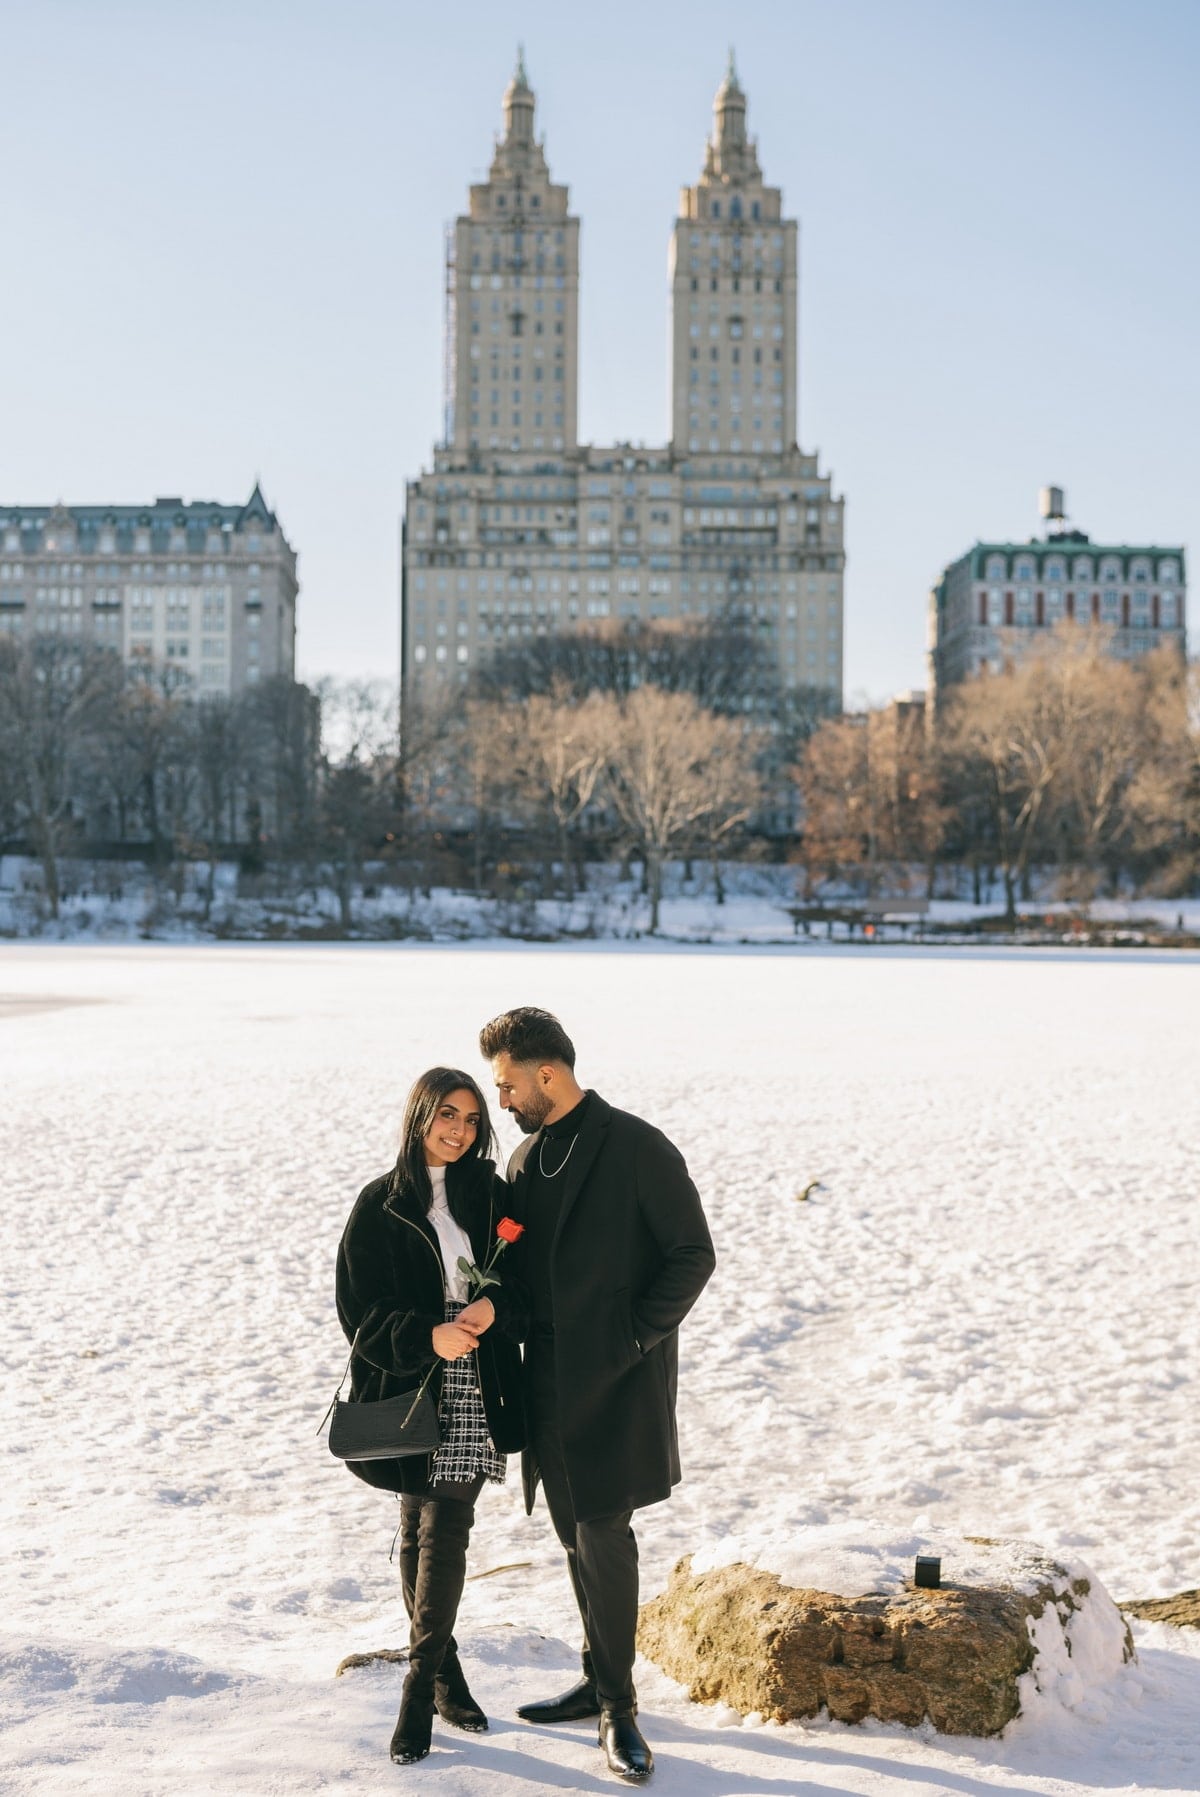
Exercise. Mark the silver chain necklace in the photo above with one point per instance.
(566, 1157)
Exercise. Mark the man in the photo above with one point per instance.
(617, 1252)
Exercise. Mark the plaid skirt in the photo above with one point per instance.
(466, 1446)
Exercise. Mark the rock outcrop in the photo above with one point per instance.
(739, 1636)
(1183, 1609)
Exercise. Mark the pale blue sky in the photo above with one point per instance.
(222, 230)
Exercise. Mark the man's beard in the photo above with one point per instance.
(534, 1115)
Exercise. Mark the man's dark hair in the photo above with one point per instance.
(527, 1034)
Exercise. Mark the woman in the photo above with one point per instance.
(401, 1292)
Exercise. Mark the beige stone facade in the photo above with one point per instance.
(202, 594)
(733, 300)
(512, 301)
(518, 530)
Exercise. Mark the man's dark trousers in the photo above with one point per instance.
(602, 1555)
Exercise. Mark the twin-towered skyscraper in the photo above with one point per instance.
(519, 530)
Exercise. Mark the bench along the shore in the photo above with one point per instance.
(861, 920)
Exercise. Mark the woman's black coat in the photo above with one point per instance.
(390, 1286)
(630, 1256)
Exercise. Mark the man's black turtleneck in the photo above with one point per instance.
(546, 1169)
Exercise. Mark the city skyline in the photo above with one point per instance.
(232, 267)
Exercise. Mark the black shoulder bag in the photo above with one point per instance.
(383, 1429)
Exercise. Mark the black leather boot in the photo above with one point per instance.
(452, 1696)
(410, 1549)
(444, 1529)
(451, 1693)
(624, 1746)
(575, 1705)
(413, 1733)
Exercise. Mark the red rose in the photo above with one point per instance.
(508, 1231)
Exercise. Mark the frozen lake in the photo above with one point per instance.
(983, 1321)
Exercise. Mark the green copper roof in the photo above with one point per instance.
(1067, 549)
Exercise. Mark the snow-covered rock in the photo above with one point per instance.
(846, 1631)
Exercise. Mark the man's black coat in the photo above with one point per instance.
(390, 1285)
(631, 1254)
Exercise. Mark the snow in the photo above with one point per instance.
(982, 1321)
(112, 902)
(1080, 1662)
(864, 1559)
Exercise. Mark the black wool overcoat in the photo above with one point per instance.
(390, 1286)
(631, 1254)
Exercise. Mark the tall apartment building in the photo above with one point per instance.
(512, 301)
(1000, 600)
(518, 530)
(201, 592)
(733, 300)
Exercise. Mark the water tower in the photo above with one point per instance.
(1052, 506)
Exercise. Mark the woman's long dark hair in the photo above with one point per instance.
(421, 1107)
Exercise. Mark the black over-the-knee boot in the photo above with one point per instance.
(451, 1693)
(445, 1528)
(410, 1548)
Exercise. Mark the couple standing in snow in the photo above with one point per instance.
(610, 1252)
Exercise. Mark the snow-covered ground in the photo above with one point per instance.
(982, 1321)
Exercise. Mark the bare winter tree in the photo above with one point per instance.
(664, 777)
(872, 796)
(434, 777)
(143, 776)
(221, 753)
(481, 752)
(1001, 733)
(1162, 801)
(279, 727)
(54, 698)
(833, 778)
(357, 806)
(735, 792)
(724, 661)
(1095, 704)
(561, 748)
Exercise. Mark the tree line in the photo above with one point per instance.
(1071, 762)
(640, 743)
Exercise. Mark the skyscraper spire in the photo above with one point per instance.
(731, 156)
(518, 106)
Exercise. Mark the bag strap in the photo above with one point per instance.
(337, 1394)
